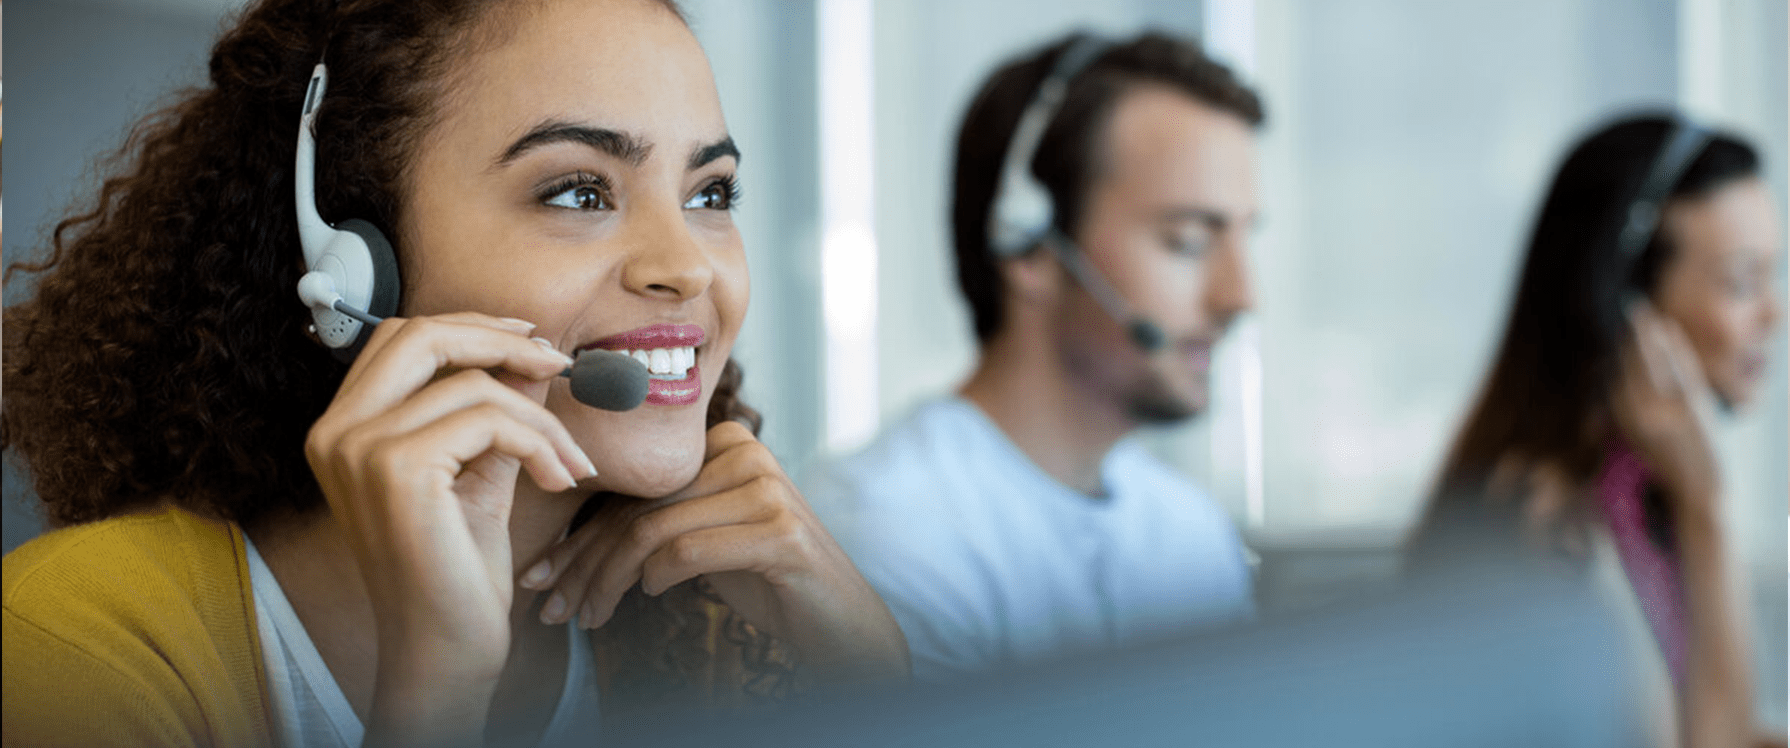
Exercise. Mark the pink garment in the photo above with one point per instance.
(1651, 570)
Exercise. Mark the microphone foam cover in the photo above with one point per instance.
(608, 380)
(1147, 335)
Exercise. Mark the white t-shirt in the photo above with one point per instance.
(310, 710)
(987, 561)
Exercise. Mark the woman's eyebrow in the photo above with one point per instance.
(621, 145)
(702, 155)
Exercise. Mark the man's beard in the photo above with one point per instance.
(1151, 403)
(1147, 398)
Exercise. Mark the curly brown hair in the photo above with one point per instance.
(164, 358)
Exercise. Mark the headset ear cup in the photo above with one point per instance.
(385, 267)
(386, 285)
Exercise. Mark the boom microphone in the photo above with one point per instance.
(602, 379)
(1143, 333)
(608, 380)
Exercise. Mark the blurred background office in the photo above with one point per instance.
(1407, 149)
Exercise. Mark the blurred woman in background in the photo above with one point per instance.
(1591, 437)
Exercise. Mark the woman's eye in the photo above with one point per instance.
(580, 197)
(716, 196)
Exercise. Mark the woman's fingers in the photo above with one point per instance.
(1662, 403)
(567, 567)
(415, 350)
(708, 551)
(724, 436)
(1659, 362)
(477, 387)
(384, 331)
(442, 446)
(417, 507)
(593, 581)
(1641, 352)
(592, 569)
(732, 457)
(1687, 371)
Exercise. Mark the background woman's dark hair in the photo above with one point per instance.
(164, 356)
(1546, 393)
(1068, 155)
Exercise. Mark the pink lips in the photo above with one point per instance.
(649, 337)
(675, 391)
(661, 391)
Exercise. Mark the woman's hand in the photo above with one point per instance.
(1664, 408)
(743, 526)
(418, 457)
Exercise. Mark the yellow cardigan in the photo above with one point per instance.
(140, 630)
(133, 631)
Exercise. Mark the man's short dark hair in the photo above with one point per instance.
(1067, 154)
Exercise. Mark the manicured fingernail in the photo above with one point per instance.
(590, 468)
(537, 574)
(547, 345)
(516, 322)
(554, 609)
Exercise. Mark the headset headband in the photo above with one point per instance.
(1022, 212)
(1683, 143)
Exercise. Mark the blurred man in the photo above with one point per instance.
(1103, 199)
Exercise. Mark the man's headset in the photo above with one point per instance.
(352, 281)
(1023, 215)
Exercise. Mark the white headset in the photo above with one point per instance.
(352, 281)
(1023, 215)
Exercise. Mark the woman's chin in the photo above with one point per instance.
(647, 452)
(649, 474)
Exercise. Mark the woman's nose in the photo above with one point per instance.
(667, 261)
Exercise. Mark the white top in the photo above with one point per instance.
(987, 561)
(310, 710)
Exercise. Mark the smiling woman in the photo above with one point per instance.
(263, 545)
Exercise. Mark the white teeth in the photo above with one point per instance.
(668, 363)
